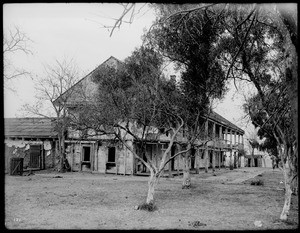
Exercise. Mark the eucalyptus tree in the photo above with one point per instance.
(255, 51)
(252, 35)
(190, 41)
(273, 118)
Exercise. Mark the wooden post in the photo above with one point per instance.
(92, 156)
(235, 154)
(125, 153)
(238, 158)
(116, 159)
(220, 153)
(96, 156)
(213, 154)
(178, 164)
(205, 149)
(72, 155)
(226, 137)
(230, 164)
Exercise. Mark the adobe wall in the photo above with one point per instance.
(123, 157)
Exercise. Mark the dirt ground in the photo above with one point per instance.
(78, 200)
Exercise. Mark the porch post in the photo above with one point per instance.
(213, 154)
(220, 145)
(205, 148)
(230, 164)
(235, 153)
(178, 164)
(225, 144)
(219, 159)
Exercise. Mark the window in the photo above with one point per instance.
(111, 155)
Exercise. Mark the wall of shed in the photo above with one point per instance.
(21, 149)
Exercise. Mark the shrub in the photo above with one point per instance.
(257, 182)
(149, 207)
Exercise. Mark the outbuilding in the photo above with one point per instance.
(31, 139)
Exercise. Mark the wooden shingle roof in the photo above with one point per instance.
(29, 128)
(218, 118)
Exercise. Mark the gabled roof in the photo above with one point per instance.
(114, 61)
(218, 118)
(110, 61)
(29, 128)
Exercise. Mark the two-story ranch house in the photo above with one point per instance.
(103, 155)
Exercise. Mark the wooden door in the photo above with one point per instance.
(35, 156)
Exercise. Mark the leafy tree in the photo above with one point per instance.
(137, 103)
(245, 49)
(250, 47)
(273, 117)
(192, 47)
(254, 50)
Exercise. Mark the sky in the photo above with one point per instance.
(76, 31)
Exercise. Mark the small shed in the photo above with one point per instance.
(32, 139)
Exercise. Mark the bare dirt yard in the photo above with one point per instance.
(78, 200)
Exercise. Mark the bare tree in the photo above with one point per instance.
(53, 95)
(14, 42)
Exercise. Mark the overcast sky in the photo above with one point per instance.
(76, 31)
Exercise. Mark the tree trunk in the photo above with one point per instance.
(151, 186)
(288, 192)
(290, 23)
(197, 161)
(230, 161)
(287, 197)
(62, 155)
(206, 160)
(186, 183)
(213, 161)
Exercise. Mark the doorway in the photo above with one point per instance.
(111, 158)
(86, 157)
(35, 156)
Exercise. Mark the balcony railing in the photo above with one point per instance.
(221, 143)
